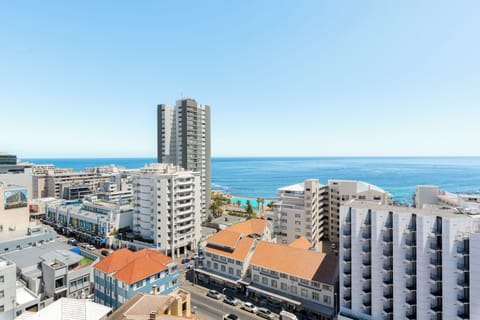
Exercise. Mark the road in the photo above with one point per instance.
(210, 309)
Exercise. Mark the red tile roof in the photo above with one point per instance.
(249, 227)
(301, 243)
(131, 267)
(306, 264)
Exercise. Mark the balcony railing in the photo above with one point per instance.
(462, 283)
(436, 277)
(388, 266)
(435, 261)
(410, 257)
(387, 238)
(462, 266)
(388, 295)
(462, 299)
(411, 242)
(436, 292)
(462, 250)
(463, 315)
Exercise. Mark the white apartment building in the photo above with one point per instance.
(341, 191)
(184, 140)
(300, 211)
(408, 263)
(167, 208)
(8, 278)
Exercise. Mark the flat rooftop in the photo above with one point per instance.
(436, 210)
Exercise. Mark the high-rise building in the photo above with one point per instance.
(184, 140)
(400, 262)
(300, 211)
(166, 201)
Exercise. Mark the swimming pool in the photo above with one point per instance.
(253, 202)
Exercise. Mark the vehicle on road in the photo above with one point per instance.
(214, 294)
(105, 253)
(185, 260)
(284, 315)
(230, 316)
(247, 306)
(265, 313)
(231, 300)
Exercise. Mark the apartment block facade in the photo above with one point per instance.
(167, 208)
(408, 263)
(183, 139)
(301, 211)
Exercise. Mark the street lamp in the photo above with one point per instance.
(223, 291)
(195, 311)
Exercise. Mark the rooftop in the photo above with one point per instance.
(301, 243)
(305, 264)
(225, 238)
(71, 309)
(239, 252)
(298, 187)
(131, 267)
(250, 227)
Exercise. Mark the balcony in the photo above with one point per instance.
(411, 315)
(411, 301)
(462, 315)
(367, 247)
(462, 299)
(347, 271)
(347, 284)
(388, 295)
(347, 258)
(347, 232)
(367, 261)
(462, 283)
(411, 286)
(410, 257)
(461, 250)
(435, 247)
(462, 266)
(367, 275)
(387, 238)
(387, 251)
(436, 292)
(347, 245)
(388, 281)
(367, 301)
(411, 271)
(367, 289)
(411, 242)
(388, 310)
(366, 235)
(435, 277)
(388, 266)
(347, 297)
(435, 261)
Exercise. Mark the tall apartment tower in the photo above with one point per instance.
(408, 263)
(342, 191)
(300, 212)
(184, 140)
(166, 202)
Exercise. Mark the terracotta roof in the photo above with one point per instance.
(248, 227)
(239, 253)
(131, 267)
(306, 264)
(301, 243)
(225, 238)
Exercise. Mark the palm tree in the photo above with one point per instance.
(262, 201)
(258, 203)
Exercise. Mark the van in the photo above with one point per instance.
(284, 315)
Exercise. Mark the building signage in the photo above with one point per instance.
(15, 199)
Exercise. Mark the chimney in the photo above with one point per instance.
(153, 315)
(154, 289)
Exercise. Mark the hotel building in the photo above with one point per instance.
(184, 140)
(408, 263)
(167, 208)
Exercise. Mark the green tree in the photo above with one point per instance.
(239, 203)
(249, 208)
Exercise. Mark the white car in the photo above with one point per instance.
(247, 306)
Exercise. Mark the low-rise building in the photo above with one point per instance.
(66, 308)
(91, 221)
(153, 306)
(124, 273)
(295, 278)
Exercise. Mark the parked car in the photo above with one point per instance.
(230, 316)
(214, 294)
(105, 253)
(265, 313)
(247, 306)
(231, 300)
(185, 260)
(90, 247)
(284, 315)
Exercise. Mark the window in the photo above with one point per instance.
(327, 299)
(293, 278)
(315, 296)
(293, 289)
(2, 308)
(230, 270)
(283, 286)
(303, 281)
(304, 293)
(215, 265)
(265, 280)
(239, 273)
(239, 263)
(326, 287)
(223, 268)
(255, 268)
(256, 278)
(209, 264)
(2, 294)
(230, 260)
(273, 283)
(2, 279)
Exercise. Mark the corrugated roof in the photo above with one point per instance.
(306, 264)
(131, 267)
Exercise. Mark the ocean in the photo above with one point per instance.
(261, 177)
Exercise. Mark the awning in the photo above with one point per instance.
(216, 276)
(273, 295)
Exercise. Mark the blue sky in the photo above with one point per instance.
(286, 78)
